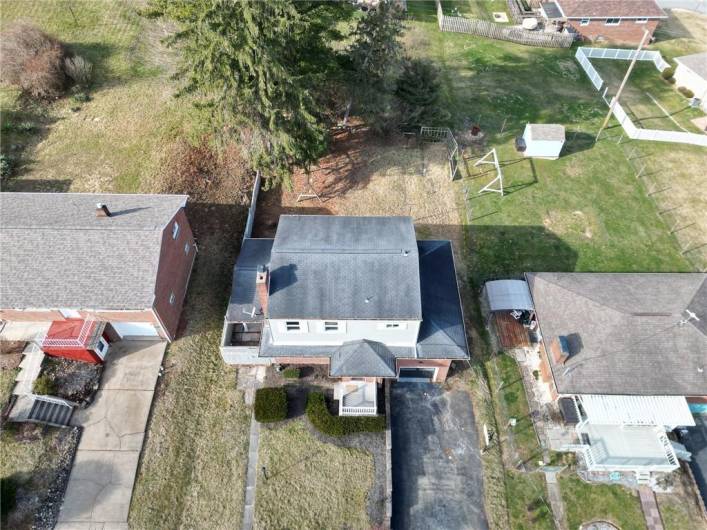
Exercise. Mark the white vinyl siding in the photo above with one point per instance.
(313, 332)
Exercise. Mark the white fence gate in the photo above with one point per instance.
(636, 133)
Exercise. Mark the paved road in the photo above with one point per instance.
(437, 471)
(101, 481)
(696, 443)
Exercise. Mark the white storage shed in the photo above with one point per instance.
(543, 140)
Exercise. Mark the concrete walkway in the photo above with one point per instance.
(251, 378)
(649, 505)
(101, 482)
(555, 497)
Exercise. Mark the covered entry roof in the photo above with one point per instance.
(637, 410)
(506, 295)
(363, 358)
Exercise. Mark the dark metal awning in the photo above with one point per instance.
(507, 295)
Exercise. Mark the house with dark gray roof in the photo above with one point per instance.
(691, 73)
(124, 259)
(360, 295)
(623, 357)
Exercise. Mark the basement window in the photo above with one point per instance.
(175, 230)
(584, 22)
(612, 22)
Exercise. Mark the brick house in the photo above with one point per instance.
(360, 295)
(622, 356)
(82, 258)
(620, 21)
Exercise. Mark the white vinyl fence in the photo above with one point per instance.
(636, 133)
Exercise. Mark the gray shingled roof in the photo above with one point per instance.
(254, 252)
(362, 358)
(344, 268)
(442, 332)
(57, 254)
(697, 62)
(627, 331)
(551, 10)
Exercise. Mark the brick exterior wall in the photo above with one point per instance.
(697, 399)
(173, 273)
(546, 373)
(627, 32)
(301, 360)
(13, 315)
(442, 364)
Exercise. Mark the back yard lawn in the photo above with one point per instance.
(310, 484)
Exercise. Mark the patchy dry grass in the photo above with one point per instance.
(528, 506)
(587, 502)
(680, 509)
(311, 484)
(7, 383)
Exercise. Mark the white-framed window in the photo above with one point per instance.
(641, 21)
(612, 22)
(172, 298)
(102, 348)
(175, 230)
(392, 325)
(187, 247)
(294, 326)
(584, 21)
(69, 313)
(331, 326)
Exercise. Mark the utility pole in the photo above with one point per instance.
(615, 99)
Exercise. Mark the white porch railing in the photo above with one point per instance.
(357, 411)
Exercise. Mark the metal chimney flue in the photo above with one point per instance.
(102, 210)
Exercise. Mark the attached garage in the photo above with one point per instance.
(135, 330)
(417, 375)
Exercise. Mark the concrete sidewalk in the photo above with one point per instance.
(101, 482)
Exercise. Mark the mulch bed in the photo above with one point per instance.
(76, 381)
(11, 353)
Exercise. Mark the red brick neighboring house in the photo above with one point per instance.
(124, 259)
(620, 21)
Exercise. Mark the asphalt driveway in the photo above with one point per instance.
(437, 471)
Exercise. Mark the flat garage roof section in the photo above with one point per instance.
(506, 295)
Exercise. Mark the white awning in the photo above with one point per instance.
(506, 295)
(636, 410)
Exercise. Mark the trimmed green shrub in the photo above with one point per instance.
(322, 419)
(671, 80)
(44, 386)
(667, 73)
(290, 373)
(5, 166)
(686, 91)
(270, 404)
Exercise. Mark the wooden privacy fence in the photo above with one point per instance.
(492, 30)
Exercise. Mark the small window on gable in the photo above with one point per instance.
(584, 22)
(172, 298)
(293, 325)
(641, 21)
(175, 230)
(392, 325)
(613, 21)
(331, 326)
(186, 248)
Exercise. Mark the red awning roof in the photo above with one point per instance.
(73, 333)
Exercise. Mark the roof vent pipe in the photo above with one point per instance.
(102, 210)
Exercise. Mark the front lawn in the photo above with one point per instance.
(587, 502)
(310, 484)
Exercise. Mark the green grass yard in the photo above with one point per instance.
(310, 484)
(528, 506)
(587, 502)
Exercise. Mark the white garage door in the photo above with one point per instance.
(135, 330)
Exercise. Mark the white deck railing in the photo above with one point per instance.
(358, 411)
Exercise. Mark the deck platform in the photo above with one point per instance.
(511, 333)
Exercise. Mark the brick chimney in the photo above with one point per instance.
(102, 210)
(261, 288)
(559, 354)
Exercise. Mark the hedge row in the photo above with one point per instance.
(270, 404)
(321, 418)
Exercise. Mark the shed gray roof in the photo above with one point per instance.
(254, 252)
(697, 62)
(551, 10)
(442, 333)
(344, 268)
(628, 332)
(55, 252)
(507, 295)
(546, 132)
(362, 358)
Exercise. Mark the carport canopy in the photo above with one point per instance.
(506, 295)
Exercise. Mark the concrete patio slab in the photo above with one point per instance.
(101, 482)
